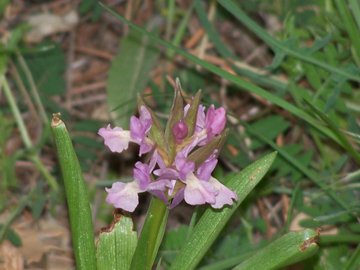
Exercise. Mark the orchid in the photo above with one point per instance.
(183, 156)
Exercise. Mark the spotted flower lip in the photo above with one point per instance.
(180, 167)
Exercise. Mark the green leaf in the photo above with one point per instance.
(128, 75)
(47, 68)
(271, 127)
(287, 250)
(151, 236)
(213, 221)
(173, 241)
(82, 231)
(116, 247)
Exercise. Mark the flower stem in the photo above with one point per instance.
(151, 236)
(25, 135)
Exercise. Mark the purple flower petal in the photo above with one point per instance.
(199, 192)
(200, 119)
(157, 188)
(224, 196)
(145, 119)
(116, 139)
(178, 198)
(183, 165)
(145, 147)
(141, 174)
(205, 169)
(139, 128)
(215, 120)
(123, 195)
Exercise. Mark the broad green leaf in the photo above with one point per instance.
(116, 246)
(271, 127)
(47, 68)
(151, 236)
(81, 226)
(213, 221)
(128, 75)
(288, 249)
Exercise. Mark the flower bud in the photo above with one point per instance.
(180, 130)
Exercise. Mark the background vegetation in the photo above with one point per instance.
(286, 71)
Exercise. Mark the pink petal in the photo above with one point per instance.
(200, 119)
(116, 139)
(198, 192)
(123, 195)
(205, 169)
(224, 196)
(215, 120)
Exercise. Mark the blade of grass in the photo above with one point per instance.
(354, 261)
(25, 135)
(310, 174)
(33, 88)
(151, 236)
(232, 78)
(180, 31)
(350, 25)
(234, 9)
(355, 8)
(213, 221)
(288, 249)
(77, 198)
(341, 137)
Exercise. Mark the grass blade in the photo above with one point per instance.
(231, 7)
(213, 221)
(297, 165)
(151, 236)
(341, 137)
(288, 249)
(82, 231)
(116, 247)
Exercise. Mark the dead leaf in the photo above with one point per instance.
(47, 24)
(10, 257)
(42, 238)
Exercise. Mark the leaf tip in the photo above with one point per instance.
(56, 121)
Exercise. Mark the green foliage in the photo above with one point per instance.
(12, 236)
(151, 236)
(77, 199)
(128, 75)
(116, 246)
(213, 221)
(92, 7)
(47, 68)
(288, 249)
